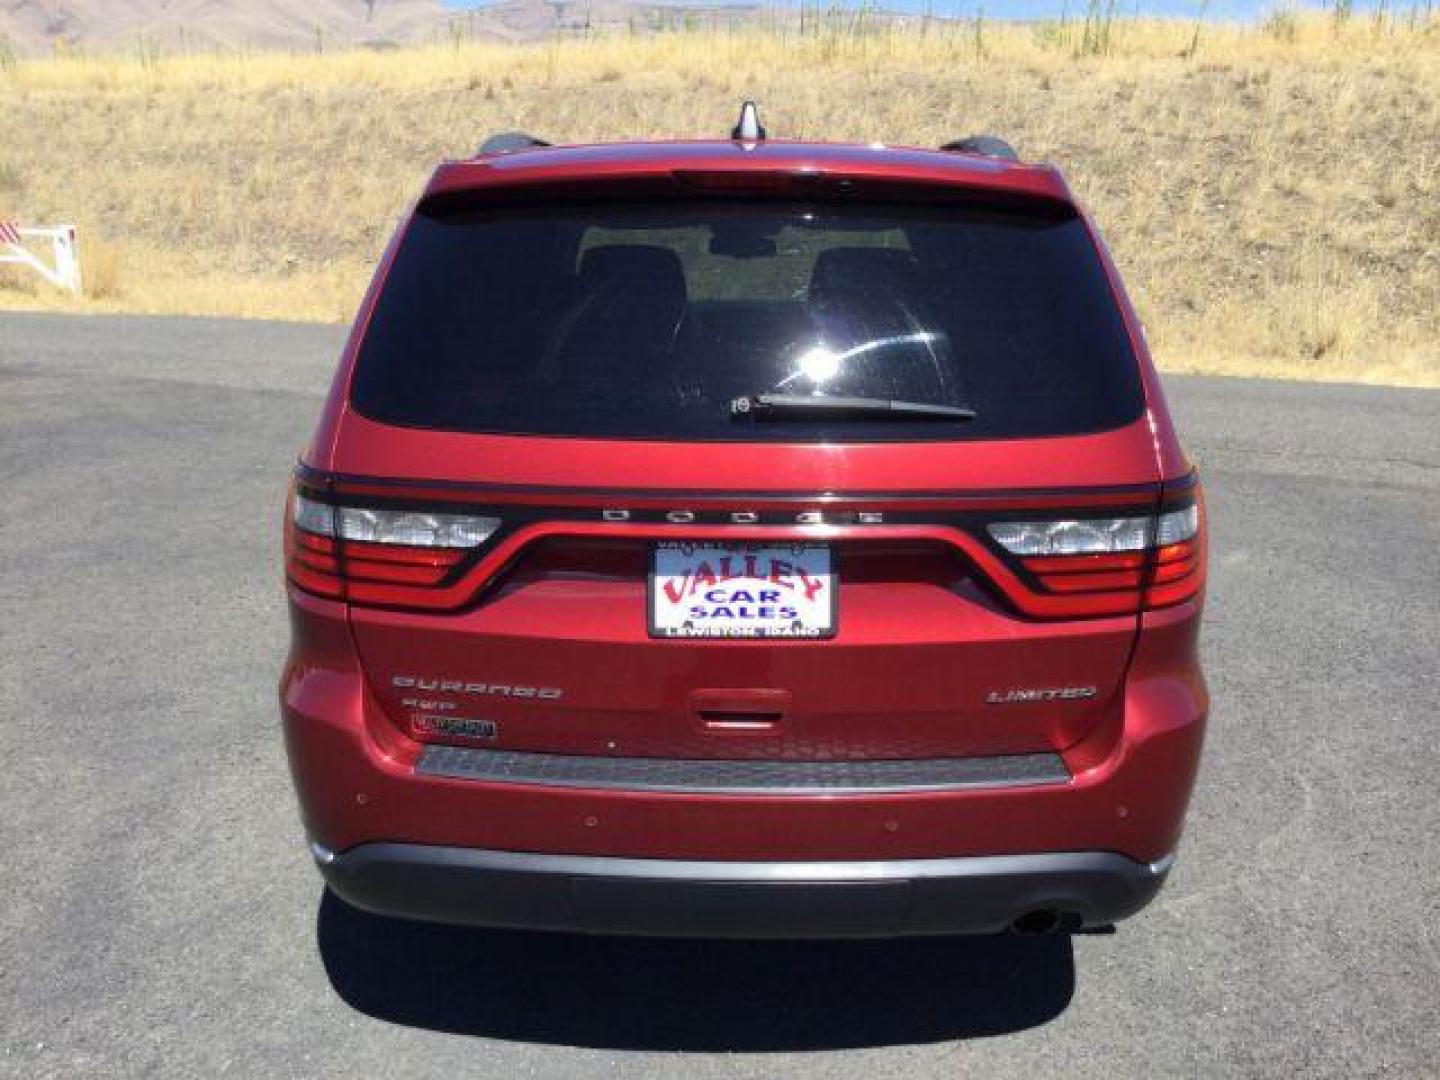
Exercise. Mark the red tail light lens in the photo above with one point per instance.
(1179, 570)
(374, 554)
(312, 561)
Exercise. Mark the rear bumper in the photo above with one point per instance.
(698, 898)
(743, 848)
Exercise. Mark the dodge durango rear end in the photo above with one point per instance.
(745, 538)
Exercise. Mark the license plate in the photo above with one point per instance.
(705, 590)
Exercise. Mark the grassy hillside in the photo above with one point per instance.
(1272, 193)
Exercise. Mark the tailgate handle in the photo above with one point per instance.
(739, 712)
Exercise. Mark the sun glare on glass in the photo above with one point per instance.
(819, 364)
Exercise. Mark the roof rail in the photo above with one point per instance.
(984, 145)
(503, 141)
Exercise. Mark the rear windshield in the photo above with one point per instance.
(648, 322)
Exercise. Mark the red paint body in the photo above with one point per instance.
(934, 618)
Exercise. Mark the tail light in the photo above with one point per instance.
(1179, 567)
(1104, 564)
(373, 547)
(376, 554)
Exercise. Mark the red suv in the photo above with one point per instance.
(745, 538)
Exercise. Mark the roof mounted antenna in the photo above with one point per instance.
(748, 128)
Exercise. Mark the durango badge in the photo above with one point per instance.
(456, 686)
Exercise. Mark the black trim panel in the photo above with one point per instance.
(308, 474)
(694, 898)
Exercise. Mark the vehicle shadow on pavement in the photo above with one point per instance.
(648, 994)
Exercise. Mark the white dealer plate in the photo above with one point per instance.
(709, 590)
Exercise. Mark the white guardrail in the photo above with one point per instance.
(63, 268)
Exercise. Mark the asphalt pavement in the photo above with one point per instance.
(158, 914)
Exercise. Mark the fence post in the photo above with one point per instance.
(67, 258)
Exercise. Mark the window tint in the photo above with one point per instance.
(646, 322)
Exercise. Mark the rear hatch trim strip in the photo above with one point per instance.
(743, 777)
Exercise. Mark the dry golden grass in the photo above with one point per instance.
(1273, 196)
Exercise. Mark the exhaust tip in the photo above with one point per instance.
(320, 853)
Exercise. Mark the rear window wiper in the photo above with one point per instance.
(803, 406)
